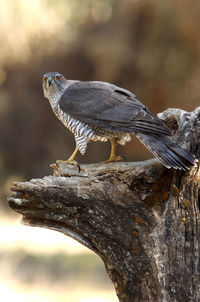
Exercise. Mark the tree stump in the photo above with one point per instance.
(142, 219)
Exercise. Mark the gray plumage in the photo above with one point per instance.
(100, 111)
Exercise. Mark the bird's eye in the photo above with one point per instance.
(58, 78)
(44, 79)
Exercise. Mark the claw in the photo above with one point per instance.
(70, 162)
(54, 166)
(114, 159)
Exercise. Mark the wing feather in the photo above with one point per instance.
(110, 107)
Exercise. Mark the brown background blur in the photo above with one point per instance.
(151, 47)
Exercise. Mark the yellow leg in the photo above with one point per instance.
(70, 160)
(112, 157)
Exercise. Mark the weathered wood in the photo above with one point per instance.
(142, 219)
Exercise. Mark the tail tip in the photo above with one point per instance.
(184, 166)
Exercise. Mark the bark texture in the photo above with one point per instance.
(142, 219)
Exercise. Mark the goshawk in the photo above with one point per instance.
(99, 111)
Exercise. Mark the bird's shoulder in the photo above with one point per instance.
(93, 92)
(82, 85)
(110, 106)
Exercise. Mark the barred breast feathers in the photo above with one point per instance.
(83, 133)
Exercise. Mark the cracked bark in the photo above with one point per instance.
(140, 218)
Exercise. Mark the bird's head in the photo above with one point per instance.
(53, 84)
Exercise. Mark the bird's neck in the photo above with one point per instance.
(54, 96)
(54, 100)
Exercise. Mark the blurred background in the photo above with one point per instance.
(151, 47)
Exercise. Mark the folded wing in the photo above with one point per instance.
(110, 107)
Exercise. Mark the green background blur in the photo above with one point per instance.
(151, 47)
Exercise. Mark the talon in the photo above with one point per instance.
(54, 166)
(70, 162)
(114, 159)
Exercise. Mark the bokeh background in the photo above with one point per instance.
(151, 47)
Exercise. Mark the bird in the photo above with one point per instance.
(100, 111)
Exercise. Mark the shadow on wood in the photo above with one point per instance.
(140, 218)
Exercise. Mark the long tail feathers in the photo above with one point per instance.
(169, 153)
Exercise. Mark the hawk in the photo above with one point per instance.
(98, 111)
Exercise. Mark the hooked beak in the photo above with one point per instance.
(49, 81)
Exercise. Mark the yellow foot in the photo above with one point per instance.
(70, 162)
(114, 159)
